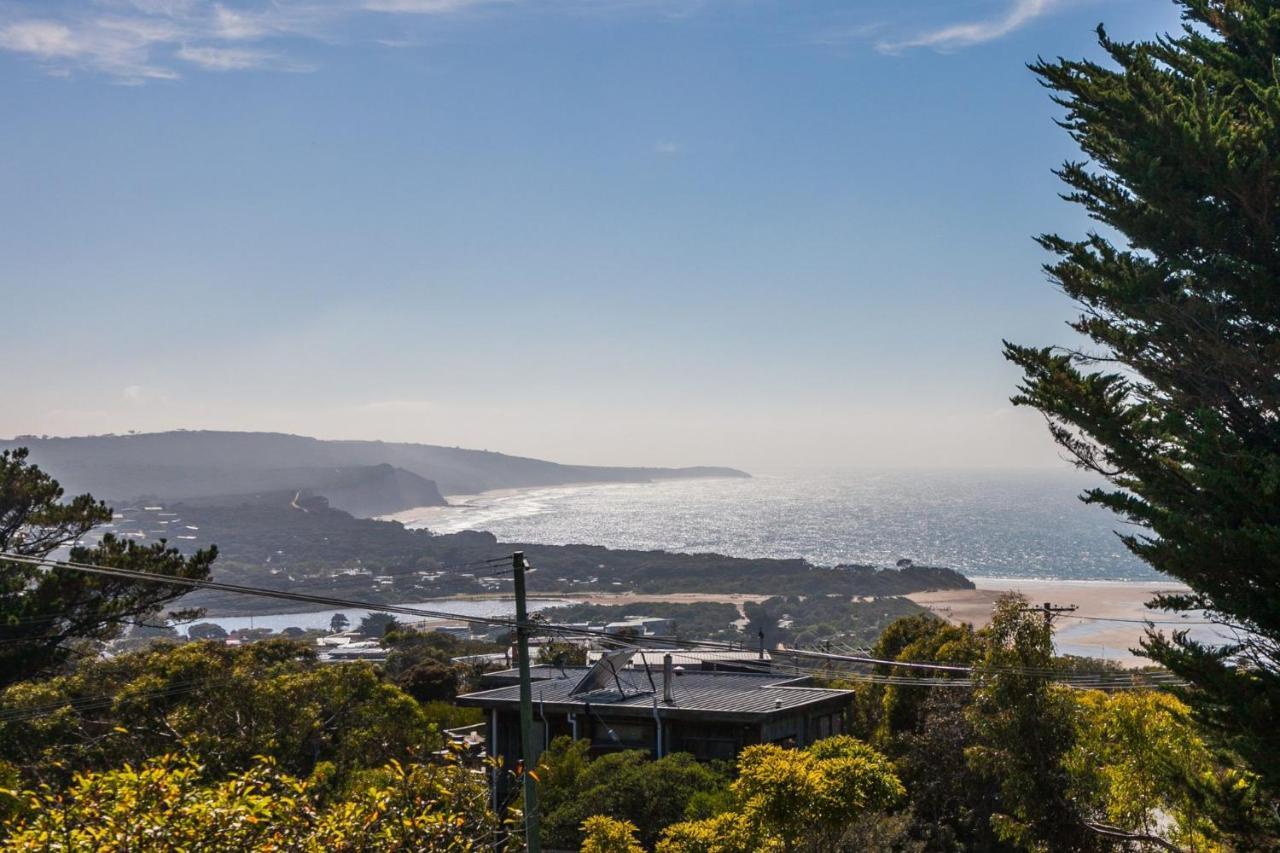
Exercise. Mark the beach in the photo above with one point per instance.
(1108, 622)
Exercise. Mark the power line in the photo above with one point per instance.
(1144, 621)
(262, 592)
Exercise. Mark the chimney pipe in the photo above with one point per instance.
(668, 673)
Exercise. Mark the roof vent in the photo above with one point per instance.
(777, 703)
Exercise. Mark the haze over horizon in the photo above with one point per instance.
(760, 234)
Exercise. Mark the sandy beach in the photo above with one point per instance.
(1089, 630)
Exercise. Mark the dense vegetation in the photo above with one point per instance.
(225, 704)
(170, 804)
(1015, 762)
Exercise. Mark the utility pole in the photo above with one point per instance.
(1050, 610)
(532, 840)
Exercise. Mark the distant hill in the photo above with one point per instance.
(361, 477)
(362, 492)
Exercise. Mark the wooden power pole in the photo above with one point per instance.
(1050, 610)
(532, 840)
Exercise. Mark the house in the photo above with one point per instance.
(370, 650)
(711, 714)
(641, 626)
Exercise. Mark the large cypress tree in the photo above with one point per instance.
(1175, 399)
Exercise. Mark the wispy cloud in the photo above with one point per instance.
(667, 148)
(839, 36)
(120, 47)
(138, 40)
(966, 34)
(238, 59)
(427, 7)
(133, 41)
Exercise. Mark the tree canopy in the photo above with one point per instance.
(222, 704)
(793, 799)
(46, 613)
(1174, 395)
(169, 803)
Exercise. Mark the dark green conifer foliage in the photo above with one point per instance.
(45, 613)
(1175, 398)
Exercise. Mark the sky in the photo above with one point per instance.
(760, 233)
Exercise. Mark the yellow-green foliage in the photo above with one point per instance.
(222, 704)
(1138, 760)
(168, 805)
(603, 834)
(786, 796)
(731, 832)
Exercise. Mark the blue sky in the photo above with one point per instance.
(764, 233)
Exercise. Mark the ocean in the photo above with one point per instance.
(986, 524)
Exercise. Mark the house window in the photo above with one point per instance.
(624, 735)
(709, 749)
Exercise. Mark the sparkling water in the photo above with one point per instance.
(1005, 524)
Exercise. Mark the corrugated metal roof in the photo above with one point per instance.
(718, 693)
(687, 657)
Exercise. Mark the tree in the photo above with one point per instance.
(562, 653)
(46, 613)
(221, 704)
(728, 832)
(376, 625)
(602, 834)
(1175, 402)
(430, 682)
(1024, 727)
(207, 631)
(1144, 770)
(794, 799)
(623, 785)
(170, 803)
(888, 711)
(952, 803)
(339, 623)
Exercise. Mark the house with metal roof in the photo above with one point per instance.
(711, 714)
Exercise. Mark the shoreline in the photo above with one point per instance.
(1110, 620)
(458, 507)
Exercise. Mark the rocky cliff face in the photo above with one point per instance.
(377, 490)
